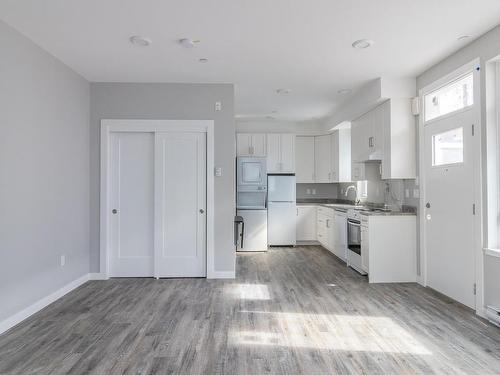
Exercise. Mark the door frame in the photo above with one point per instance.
(109, 126)
(473, 66)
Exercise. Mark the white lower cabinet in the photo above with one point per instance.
(340, 237)
(389, 248)
(365, 246)
(306, 223)
(325, 228)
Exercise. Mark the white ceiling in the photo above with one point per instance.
(259, 45)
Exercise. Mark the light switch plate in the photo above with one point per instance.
(416, 193)
(314, 191)
(308, 191)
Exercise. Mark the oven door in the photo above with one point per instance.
(354, 236)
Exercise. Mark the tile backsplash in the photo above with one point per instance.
(309, 191)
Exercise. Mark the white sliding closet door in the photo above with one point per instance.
(132, 204)
(180, 194)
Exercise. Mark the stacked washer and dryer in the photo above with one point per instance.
(265, 204)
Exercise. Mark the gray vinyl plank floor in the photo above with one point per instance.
(289, 311)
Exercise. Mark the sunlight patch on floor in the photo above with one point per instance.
(330, 332)
(248, 291)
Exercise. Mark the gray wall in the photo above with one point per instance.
(170, 101)
(44, 167)
(328, 191)
(486, 48)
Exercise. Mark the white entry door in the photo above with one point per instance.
(132, 204)
(181, 204)
(449, 198)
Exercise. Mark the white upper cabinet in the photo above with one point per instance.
(304, 159)
(250, 144)
(280, 153)
(367, 137)
(399, 157)
(386, 134)
(341, 156)
(323, 158)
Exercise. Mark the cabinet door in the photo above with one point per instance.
(304, 159)
(322, 158)
(287, 153)
(306, 223)
(243, 144)
(365, 253)
(321, 229)
(330, 233)
(258, 144)
(340, 235)
(335, 157)
(358, 144)
(377, 132)
(273, 153)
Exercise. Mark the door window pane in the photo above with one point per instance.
(450, 98)
(448, 147)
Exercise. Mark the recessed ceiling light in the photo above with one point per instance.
(362, 43)
(283, 91)
(188, 43)
(463, 37)
(343, 91)
(140, 41)
(203, 60)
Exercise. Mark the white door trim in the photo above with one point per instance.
(114, 125)
(473, 66)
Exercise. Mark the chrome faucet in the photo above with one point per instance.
(356, 200)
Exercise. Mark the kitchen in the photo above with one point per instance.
(347, 190)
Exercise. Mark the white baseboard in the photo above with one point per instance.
(97, 276)
(17, 318)
(222, 275)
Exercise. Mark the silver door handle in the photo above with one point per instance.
(202, 211)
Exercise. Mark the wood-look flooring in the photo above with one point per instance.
(290, 311)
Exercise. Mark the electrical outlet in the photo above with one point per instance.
(416, 193)
(218, 172)
(314, 191)
(407, 193)
(308, 191)
(218, 106)
(63, 260)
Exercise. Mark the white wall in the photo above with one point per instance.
(171, 101)
(277, 126)
(485, 48)
(44, 169)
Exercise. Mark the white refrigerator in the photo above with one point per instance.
(281, 207)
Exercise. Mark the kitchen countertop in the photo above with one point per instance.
(343, 207)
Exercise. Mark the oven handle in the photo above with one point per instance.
(354, 223)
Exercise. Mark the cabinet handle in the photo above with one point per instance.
(329, 176)
(251, 150)
(328, 223)
(297, 212)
